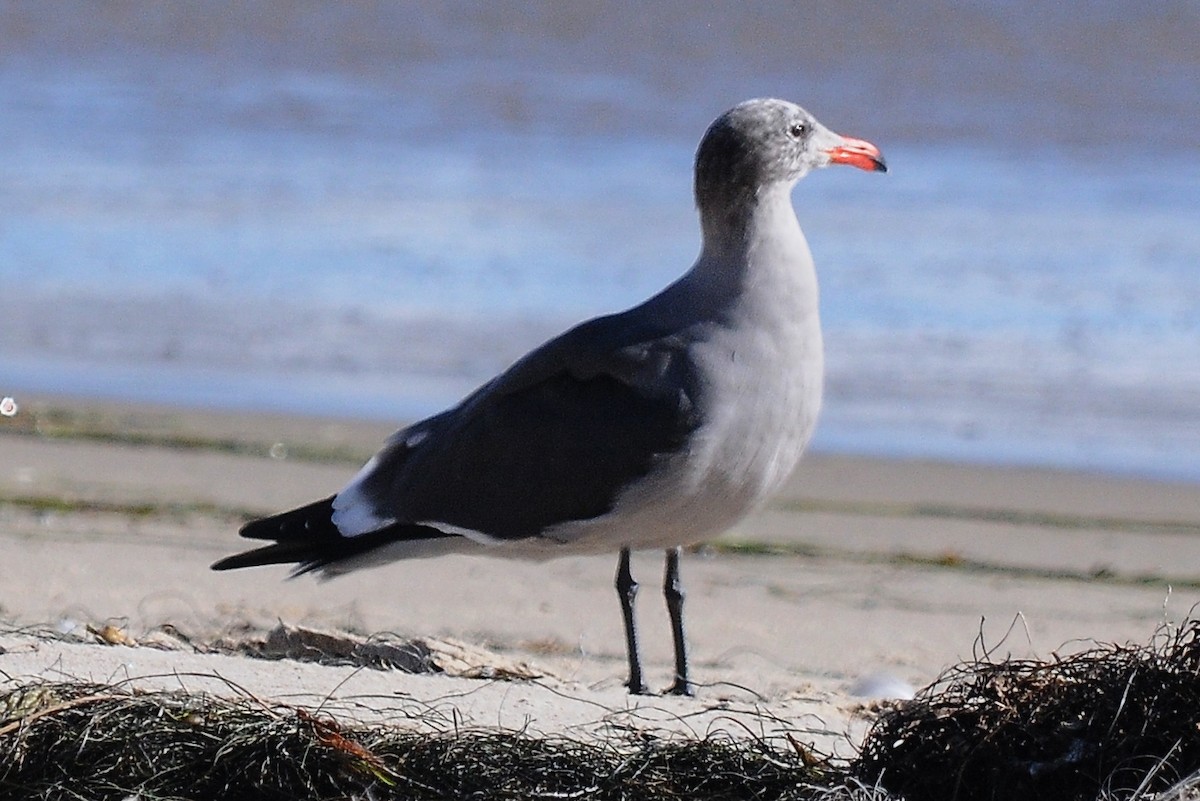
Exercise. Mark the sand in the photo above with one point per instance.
(861, 569)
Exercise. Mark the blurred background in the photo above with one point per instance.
(364, 209)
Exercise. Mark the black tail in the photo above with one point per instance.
(308, 538)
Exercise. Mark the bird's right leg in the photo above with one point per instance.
(627, 591)
(673, 590)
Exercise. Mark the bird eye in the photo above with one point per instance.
(798, 129)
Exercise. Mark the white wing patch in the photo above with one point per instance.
(354, 513)
(470, 533)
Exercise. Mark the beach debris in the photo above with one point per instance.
(166, 638)
(1109, 723)
(412, 655)
(109, 634)
(81, 740)
(882, 685)
(1117, 719)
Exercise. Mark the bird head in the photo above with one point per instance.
(768, 141)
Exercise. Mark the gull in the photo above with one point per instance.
(654, 428)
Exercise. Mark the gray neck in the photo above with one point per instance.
(754, 243)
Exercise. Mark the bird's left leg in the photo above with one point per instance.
(673, 590)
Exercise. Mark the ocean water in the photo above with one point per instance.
(367, 209)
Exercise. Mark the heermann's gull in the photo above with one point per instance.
(653, 428)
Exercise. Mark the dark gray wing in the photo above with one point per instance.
(556, 438)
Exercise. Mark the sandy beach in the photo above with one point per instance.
(111, 515)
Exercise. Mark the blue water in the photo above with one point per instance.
(303, 212)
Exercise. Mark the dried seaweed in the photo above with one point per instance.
(1113, 720)
(1110, 722)
(110, 742)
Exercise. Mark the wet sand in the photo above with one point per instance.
(112, 514)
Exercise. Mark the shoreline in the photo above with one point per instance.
(198, 426)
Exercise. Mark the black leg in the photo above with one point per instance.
(627, 591)
(673, 590)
